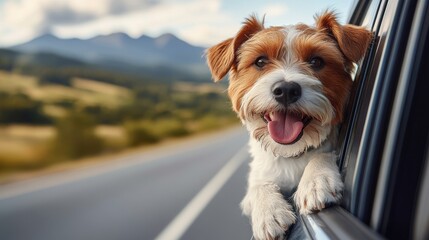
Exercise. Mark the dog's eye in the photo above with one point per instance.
(260, 62)
(316, 63)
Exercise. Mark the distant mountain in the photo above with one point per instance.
(118, 48)
(13, 60)
(116, 72)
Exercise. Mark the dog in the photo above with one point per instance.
(289, 86)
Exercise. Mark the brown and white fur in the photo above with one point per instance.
(289, 85)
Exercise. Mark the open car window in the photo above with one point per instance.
(385, 135)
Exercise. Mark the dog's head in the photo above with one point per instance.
(289, 84)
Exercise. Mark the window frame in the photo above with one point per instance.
(383, 76)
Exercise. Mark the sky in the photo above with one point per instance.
(199, 22)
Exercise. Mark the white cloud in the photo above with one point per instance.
(23, 19)
(201, 22)
(181, 18)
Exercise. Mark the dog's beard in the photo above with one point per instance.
(313, 109)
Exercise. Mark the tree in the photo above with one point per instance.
(19, 108)
(76, 137)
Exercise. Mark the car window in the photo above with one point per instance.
(384, 156)
(371, 106)
(369, 20)
(371, 101)
(404, 157)
(359, 101)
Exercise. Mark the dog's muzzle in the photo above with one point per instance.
(285, 126)
(286, 93)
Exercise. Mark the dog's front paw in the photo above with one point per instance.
(272, 218)
(314, 193)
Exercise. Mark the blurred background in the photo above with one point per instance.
(83, 79)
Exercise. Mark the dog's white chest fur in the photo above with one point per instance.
(314, 174)
(285, 172)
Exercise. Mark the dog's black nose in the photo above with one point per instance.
(286, 92)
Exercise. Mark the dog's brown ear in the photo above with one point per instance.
(352, 40)
(221, 57)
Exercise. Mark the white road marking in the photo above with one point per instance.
(178, 226)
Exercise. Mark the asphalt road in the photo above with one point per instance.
(187, 191)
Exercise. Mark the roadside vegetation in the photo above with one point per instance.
(53, 114)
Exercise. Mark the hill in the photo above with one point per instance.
(118, 49)
(105, 98)
(111, 71)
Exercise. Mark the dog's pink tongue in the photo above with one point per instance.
(284, 127)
